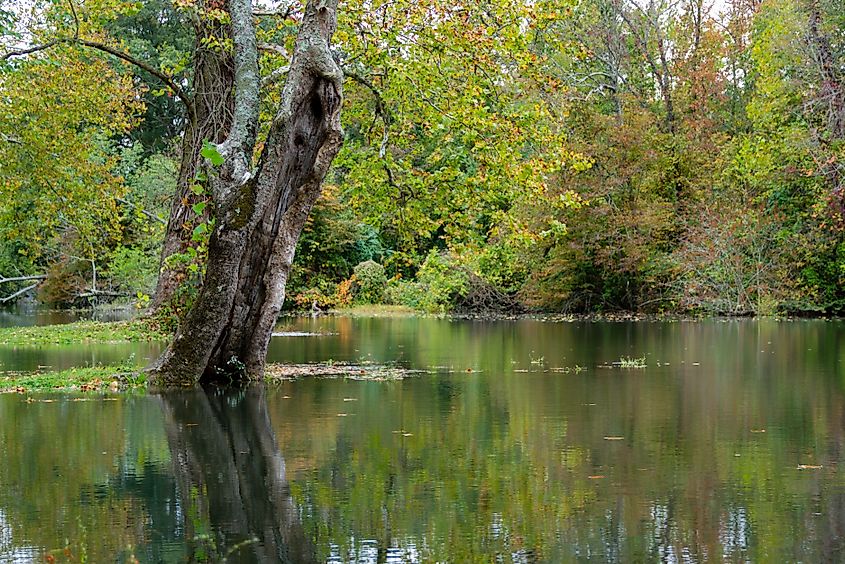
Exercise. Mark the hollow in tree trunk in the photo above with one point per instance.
(259, 210)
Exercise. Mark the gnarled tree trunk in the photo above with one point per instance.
(260, 211)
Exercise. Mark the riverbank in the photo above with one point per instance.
(121, 370)
(105, 332)
(143, 330)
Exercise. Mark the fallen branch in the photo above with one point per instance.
(18, 293)
(106, 293)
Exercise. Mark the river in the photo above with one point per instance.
(517, 441)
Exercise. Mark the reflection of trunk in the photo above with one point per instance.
(231, 477)
(213, 79)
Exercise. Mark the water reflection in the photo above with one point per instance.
(728, 446)
(25, 314)
(231, 476)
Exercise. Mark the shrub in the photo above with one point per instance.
(370, 283)
(133, 270)
(405, 293)
(444, 282)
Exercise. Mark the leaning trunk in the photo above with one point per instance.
(260, 213)
(213, 101)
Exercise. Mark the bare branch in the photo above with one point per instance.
(142, 65)
(147, 213)
(381, 109)
(273, 48)
(29, 50)
(274, 76)
(282, 12)
(75, 19)
(381, 106)
(12, 140)
(20, 292)
(4, 279)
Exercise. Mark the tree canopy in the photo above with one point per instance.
(578, 156)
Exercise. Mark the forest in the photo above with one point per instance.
(578, 156)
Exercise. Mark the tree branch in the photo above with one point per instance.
(381, 109)
(147, 213)
(167, 80)
(3, 279)
(29, 50)
(18, 293)
(273, 48)
(247, 81)
(274, 76)
(12, 140)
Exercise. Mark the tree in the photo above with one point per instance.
(59, 193)
(258, 206)
(260, 209)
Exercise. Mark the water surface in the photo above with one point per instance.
(520, 443)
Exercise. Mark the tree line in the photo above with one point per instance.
(561, 155)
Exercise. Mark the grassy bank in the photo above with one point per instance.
(126, 377)
(376, 310)
(134, 331)
(112, 378)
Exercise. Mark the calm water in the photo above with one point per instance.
(727, 446)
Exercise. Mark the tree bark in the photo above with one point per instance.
(212, 108)
(260, 211)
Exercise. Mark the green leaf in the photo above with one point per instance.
(199, 207)
(211, 153)
(199, 231)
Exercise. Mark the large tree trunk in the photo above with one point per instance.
(214, 75)
(260, 212)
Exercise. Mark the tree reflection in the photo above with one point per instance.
(235, 498)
